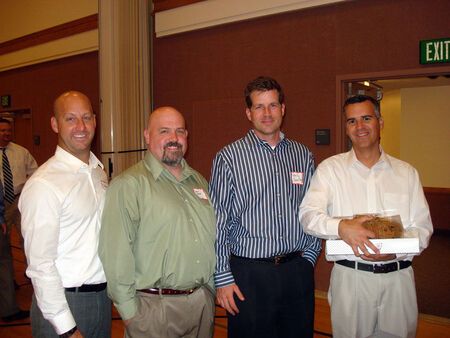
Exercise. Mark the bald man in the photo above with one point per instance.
(157, 238)
(61, 206)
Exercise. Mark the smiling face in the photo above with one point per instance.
(266, 114)
(363, 127)
(75, 123)
(166, 137)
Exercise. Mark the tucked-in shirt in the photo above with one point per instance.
(256, 192)
(157, 232)
(22, 164)
(61, 206)
(343, 187)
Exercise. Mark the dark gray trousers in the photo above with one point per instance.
(91, 310)
(8, 302)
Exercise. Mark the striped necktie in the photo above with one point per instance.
(8, 187)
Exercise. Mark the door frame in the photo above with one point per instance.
(383, 75)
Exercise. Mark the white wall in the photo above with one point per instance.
(391, 110)
(416, 130)
(23, 17)
(425, 134)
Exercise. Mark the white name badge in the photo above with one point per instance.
(200, 193)
(297, 178)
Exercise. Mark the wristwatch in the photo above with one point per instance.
(68, 333)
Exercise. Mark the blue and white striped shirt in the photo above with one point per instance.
(256, 192)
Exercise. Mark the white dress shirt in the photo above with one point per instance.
(61, 206)
(343, 187)
(22, 165)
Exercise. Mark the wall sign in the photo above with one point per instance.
(6, 100)
(434, 51)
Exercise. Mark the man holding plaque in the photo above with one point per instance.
(369, 293)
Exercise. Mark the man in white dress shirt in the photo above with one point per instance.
(61, 208)
(369, 293)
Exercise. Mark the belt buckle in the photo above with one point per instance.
(380, 268)
(278, 259)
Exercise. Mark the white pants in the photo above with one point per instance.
(363, 303)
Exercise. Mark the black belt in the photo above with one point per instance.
(279, 259)
(155, 291)
(376, 268)
(88, 288)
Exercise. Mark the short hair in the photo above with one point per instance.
(2, 120)
(262, 84)
(360, 99)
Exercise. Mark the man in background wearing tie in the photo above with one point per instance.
(17, 165)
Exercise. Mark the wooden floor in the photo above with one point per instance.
(428, 327)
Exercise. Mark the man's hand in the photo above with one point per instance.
(77, 334)
(355, 235)
(226, 299)
(378, 257)
(3, 225)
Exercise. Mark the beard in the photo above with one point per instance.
(172, 158)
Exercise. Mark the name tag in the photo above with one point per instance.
(200, 193)
(297, 178)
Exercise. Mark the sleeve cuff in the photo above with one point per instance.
(63, 322)
(333, 226)
(222, 279)
(128, 309)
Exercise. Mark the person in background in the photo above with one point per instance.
(17, 165)
(9, 309)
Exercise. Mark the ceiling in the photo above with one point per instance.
(413, 82)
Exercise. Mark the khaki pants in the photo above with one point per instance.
(173, 316)
(364, 303)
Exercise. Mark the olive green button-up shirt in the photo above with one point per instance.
(156, 232)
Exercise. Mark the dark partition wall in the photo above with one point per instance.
(203, 73)
(34, 88)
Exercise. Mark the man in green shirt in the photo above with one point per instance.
(157, 239)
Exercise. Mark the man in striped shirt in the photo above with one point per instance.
(265, 263)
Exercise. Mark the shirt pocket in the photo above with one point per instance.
(397, 204)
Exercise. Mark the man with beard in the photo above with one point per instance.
(157, 239)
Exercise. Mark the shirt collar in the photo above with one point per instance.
(383, 160)
(8, 146)
(253, 140)
(74, 163)
(157, 169)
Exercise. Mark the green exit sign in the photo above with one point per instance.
(434, 51)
